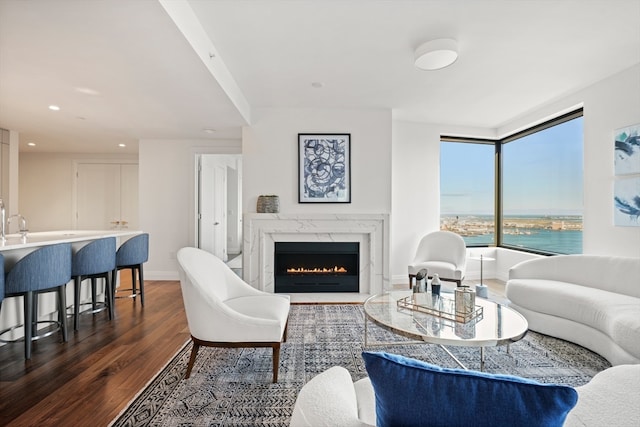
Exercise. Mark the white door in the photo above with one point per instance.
(97, 196)
(212, 197)
(106, 196)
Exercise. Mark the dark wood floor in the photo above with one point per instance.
(91, 378)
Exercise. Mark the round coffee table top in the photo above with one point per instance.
(498, 325)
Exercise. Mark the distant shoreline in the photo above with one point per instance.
(553, 233)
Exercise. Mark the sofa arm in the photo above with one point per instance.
(609, 399)
(329, 399)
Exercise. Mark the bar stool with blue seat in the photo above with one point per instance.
(131, 255)
(95, 260)
(46, 269)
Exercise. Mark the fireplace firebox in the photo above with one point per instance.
(316, 267)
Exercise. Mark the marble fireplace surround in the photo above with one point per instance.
(262, 230)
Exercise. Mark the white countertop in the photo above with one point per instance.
(42, 238)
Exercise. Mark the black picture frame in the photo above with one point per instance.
(324, 168)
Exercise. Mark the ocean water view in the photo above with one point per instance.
(561, 234)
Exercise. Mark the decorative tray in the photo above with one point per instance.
(437, 306)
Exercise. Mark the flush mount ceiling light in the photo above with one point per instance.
(436, 54)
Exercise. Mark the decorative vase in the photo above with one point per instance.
(268, 204)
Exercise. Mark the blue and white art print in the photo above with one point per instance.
(324, 171)
(626, 202)
(627, 150)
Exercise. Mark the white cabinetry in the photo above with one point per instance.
(106, 196)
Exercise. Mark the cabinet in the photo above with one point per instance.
(106, 196)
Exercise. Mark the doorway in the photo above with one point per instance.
(219, 209)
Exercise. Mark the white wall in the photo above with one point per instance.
(167, 197)
(270, 157)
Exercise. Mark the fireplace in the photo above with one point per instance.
(316, 267)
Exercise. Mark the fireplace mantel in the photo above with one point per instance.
(262, 230)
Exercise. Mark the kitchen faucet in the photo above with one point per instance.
(22, 224)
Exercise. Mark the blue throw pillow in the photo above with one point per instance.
(414, 393)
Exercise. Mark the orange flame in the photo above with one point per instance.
(324, 270)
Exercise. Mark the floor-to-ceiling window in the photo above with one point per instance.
(523, 191)
(467, 190)
(542, 189)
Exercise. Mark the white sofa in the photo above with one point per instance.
(591, 300)
(331, 399)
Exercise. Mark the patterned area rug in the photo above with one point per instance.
(232, 387)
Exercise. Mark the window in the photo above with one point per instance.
(538, 173)
(467, 191)
(542, 189)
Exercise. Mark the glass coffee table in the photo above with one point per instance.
(497, 325)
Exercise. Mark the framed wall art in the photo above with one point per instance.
(324, 168)
(627, 150)
(626, 190)
(626, 202)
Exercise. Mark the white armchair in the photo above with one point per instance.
(224, 311)
(441, 252)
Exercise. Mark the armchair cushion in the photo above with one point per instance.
(409, 391)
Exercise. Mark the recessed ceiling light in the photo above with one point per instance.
(122, 145)
(54, 108)
(317, 85)
(208, 130)
(436, 54)
(31, 144)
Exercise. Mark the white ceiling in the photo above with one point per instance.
(150, 82)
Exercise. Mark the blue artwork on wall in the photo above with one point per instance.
(324, 173)
(626, 189)
(627, 150)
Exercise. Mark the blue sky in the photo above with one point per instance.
(542, 174)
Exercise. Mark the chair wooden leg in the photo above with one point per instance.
(192, 359)
(134, 288)
(94, 293)
(141, 277)
(28, 323)
(34, 310)
(62, 315)
(76, 301)
(276, 361)
(108, 291)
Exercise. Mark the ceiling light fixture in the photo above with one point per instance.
(54, 108)
(436, 54)
(208, 130)
(122, 145)
(31, 144)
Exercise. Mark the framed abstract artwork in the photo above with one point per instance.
(627, 150)
(626, 202)
(626, 190)
(324, 168)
